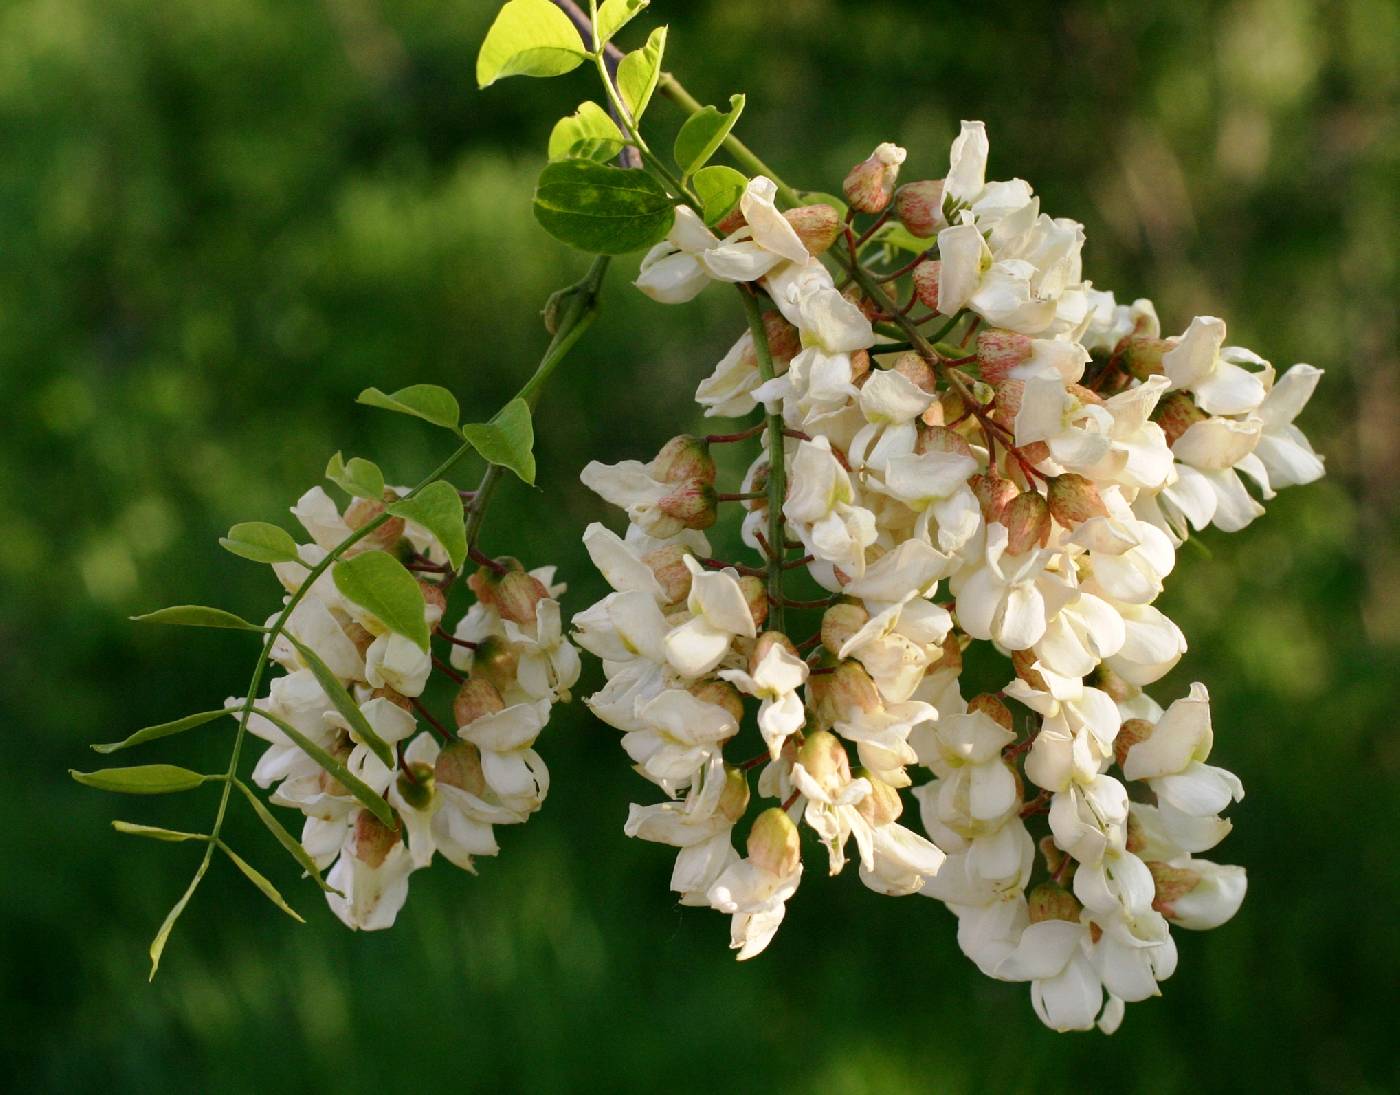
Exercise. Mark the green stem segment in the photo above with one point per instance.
(777, 470)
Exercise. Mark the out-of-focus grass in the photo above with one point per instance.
(218, 222)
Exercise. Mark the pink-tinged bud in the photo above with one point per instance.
(1143, 357)
(667, 564)
(870, 184)
(774, 843)
(993, 494)
(817, 226)
(1129, 734)
(883, 805)
(373, 840)
(840, 622)
(1049, 901)
(756, 597)
(459, 765)
(1074, 499)
(1023, 662)
(692, 503)
(362, 511)
(1176, 413)
(417, 785)
(860, 366)
(824, 757)
(845, 691)
(913, 367)
(784, 340)
(495, 662)
(1106, 680)
(1173, 883)
(998, 352)
(683, 458)
(1007, 404)
(942, 439)
(765, 643)
(517, 594)
(734, 799)
(926, 276)
(1050, 852)
(919, 206)
(991, 706)
(476, 699)
(721, 694)
(1027, 520)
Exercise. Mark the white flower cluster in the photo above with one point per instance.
(446, 795)
(1043, 454)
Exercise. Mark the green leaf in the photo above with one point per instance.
(602, 209)
(357, 787)
(426, 401)
(380, 584)
(818, 197)
(529, 38)
(197, 616)
(357, 477)
(638, 72)
(162, 730)
(258, 879)
(509, 438)
(703, 133)
(171, 836)
(438, 508)
(284, 838)
(341, 700)
(897, 236)
(613, 15)
(261, 542)
(589, 134)
(142, 779)
(719, 189)
(163, 934)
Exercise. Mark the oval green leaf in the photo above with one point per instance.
(261, 542)
(197, 616)
(426, 401)
(358, 477)
(703, 133)
(613, 15)
(638, 72)
(163, 730)
(509, 438)
(142, 779)
(602, 209)
(719, 189)
(589, 134)
(380, 584)
(528, 38)
(438, 508)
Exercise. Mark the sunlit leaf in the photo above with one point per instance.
(703, 133)
(589, 133)
(613, 15)
(638, 72)
(719, 189)
(528, 38)
(602, 209)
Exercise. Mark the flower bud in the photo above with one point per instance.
(476, 699)
(1007, 402)
(1135, 837)
(667, 564)
(683, 458)
(919, 206)
(417, 785)
(1050, 901)
(870, 184)
(951, 658)
(883, 805)
(942, 439)
(1074, 499)
(926, 276)
(1176, 413)
(1024, 661)
(1106, 680)
(1129, 734)
(784, 340)
(1143, 357)
(516, 595)
(840, 622)
(433, 598)
(692, 503)
(860, 365)
(868, 308)
(846, 689)
(359, 636)
(493, 660)
(362, 511)
(1027, 520)
(913, 367)
(373, 840)
(731, 222)
(756, 595)
(721, 694)
(817, 226)
(734, 799)
(998, 352)
(824, 757)
(1173, 883)
(993, 494)
(766, 642)
(459, 765)
(991, 706)
(774, 843)
(1051, 853)
(398, 699)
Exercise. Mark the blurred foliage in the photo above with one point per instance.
(219, 221)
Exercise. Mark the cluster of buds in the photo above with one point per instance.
(1040, 457)
(450, 786)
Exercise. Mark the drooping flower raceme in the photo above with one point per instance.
(1006, 455)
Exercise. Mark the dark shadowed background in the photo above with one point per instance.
(220, 220)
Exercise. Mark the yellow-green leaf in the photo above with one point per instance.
(703, 133)
(357, 477)
(589, 133)
(162, 730)
(261, 542)
(426, 401)
(529, 38)
(613, 15)
(171, 836)
(509, 438)
(258, 879)
(719, 189)
(142, 779)
(638, 72)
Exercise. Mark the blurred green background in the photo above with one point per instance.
(219, 221)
